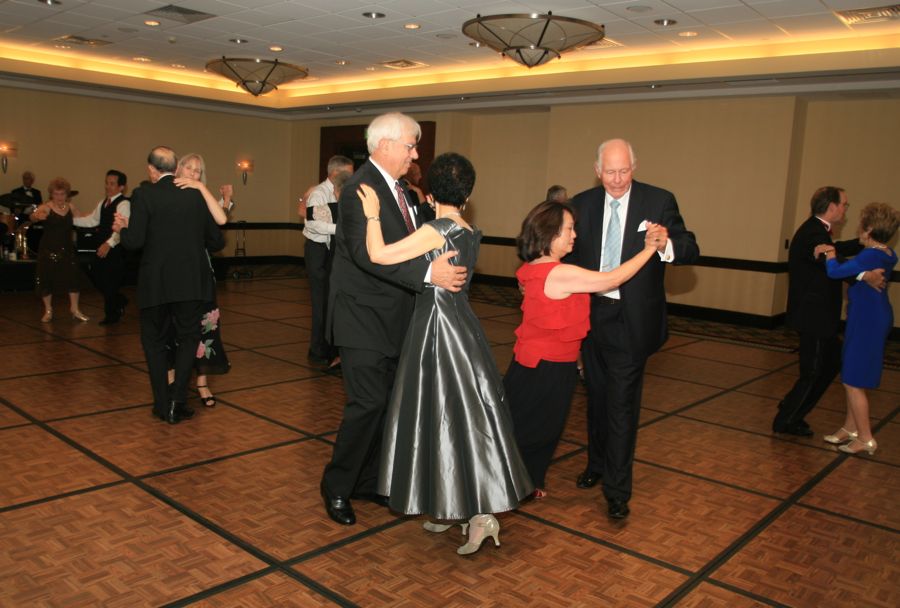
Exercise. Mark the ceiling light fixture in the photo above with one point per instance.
(141, 59)
(665, 22)
(256, 76)
(688, 34)
(179, 66)
(532, 39)
(341, 62)
(50, 2)
(238, 40)
(151, 23)
(276, 48)
(373, 15)
(411, 26)
(638, 8)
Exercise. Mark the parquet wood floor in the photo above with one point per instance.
(103, 505)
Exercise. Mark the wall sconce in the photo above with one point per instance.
(7, 150)
(245, 167)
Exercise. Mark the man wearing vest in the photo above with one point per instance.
(108, 267)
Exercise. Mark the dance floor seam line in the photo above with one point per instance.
(62, 495)
(864, 522)
(753, 596)
(608, 544)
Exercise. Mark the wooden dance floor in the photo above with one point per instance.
(103, 505)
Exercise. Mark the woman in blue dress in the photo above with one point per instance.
(448, 447)
(869, 321)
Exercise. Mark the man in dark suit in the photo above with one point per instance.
(108, 266)
(814, 308)
(629, 324)
(174, 228)
(369, 310)
(26, 193)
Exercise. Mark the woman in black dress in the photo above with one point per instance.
(57, 269)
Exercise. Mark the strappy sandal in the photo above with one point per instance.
(207, 401)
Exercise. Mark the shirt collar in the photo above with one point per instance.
(827, 224)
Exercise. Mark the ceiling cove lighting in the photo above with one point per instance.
(532, 39)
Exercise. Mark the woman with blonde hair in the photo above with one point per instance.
(57, 268)
(211, 357)
(869, 321)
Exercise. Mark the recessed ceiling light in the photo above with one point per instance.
(50, 2)
(179, 66)
(276, 49)
(411, 26)
(341, 62)
(151, 23)
(373, 15)
(141, 59)
(638, 8)
(238, 40)
(654, 86)
(62, 46)
(688, 34)
(477, 45)
(665, 22)
(371, 68)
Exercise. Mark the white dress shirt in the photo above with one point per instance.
(92, 220)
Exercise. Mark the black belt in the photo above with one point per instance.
(605, 301)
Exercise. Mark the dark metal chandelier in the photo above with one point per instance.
(256, 76)
(532, 39)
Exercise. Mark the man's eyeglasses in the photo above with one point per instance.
(409, 147)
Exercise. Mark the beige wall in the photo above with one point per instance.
(742, 167)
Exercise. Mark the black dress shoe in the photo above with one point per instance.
(171, 415)
(317, 359)
(798, 431)
(185, 412)
(109, 320)
(587, 479)
(378, 499)
(338, 509)
(617, 509)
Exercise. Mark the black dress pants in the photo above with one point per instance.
(820, 361)
(107, 274)
(539, 399)
(615, 379)
(368, 381)
(317, 259)
(156, 324)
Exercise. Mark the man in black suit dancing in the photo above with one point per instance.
(814, 308)
(174, 228)
(629, 324)
(369, 310)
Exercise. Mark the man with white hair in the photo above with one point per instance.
(369, 309)
(628, 324)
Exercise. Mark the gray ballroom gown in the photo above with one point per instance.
(448, 449)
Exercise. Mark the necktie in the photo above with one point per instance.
(404, 208)
(106, 203)
(612, 246)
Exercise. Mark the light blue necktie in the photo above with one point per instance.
(612, 246)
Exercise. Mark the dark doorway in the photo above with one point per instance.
(350, 141)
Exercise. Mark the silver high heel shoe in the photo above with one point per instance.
(842, 436)
(480, 527)
(433, 526)
(856, 446)
(79, 316)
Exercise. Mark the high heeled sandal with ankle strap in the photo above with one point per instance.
(481, 527)
(433, 526)
(856, 446)
(207, 401)
(79, 316)
(842, 436)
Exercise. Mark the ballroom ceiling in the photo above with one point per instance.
(730, 43)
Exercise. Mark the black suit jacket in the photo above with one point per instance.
(174, 228)
(814, 300)
(370, 305)
(21, 195)
(644, 296)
